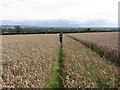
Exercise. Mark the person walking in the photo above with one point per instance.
(61, 37)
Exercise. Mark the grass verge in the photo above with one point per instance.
(55, 78)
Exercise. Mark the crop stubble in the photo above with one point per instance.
(28, 60)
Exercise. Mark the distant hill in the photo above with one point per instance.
(105, 28)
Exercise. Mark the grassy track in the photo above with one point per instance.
(55, 78)
(84, 68)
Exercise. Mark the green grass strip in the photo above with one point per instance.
(55, 80)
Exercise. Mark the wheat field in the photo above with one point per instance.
(104, 43)
(104, 39)
(28, 60)
(1, 68)
(84, 68)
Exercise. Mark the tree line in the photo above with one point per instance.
(20, 30)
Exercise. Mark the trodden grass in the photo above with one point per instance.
(55, 78)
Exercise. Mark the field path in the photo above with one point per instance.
(85, 69)
(29, 60)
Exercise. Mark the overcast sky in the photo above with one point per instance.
(79, 12)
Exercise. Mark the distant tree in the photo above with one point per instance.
(87, 30)
(2, 31)
(17, 29)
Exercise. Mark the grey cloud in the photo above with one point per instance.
(60, 23)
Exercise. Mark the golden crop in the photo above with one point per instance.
(28, 60)
(1, 62)
(105, 43)
(84, 68)
(105, 39)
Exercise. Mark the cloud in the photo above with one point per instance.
(76, 10)
(60, 23)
